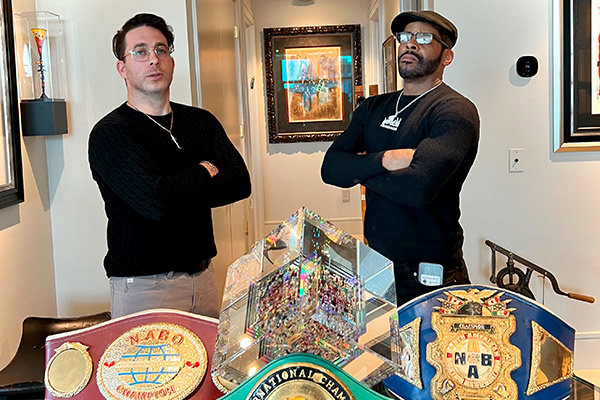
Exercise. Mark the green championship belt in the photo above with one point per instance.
(301, 377)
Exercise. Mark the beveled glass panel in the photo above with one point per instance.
(551, 361)
(555, 362)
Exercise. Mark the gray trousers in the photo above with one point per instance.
(195, 293)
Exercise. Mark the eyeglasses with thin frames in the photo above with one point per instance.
(420, 38)
(142, 53)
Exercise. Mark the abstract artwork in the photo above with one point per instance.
(311, 77)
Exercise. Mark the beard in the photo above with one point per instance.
(424, 67)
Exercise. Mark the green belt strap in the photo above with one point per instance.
(300, 377)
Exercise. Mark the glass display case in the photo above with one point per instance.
(308, 287)
(586, 385)
(41, 73)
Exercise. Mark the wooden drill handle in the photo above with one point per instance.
(582, 297)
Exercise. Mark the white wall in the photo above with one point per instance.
(26, 264)
(390, 8)
(95, 88)
(549, 213)
(291, 172)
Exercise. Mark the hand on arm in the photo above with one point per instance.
(210, 167)
(397, 159)
(230, 178)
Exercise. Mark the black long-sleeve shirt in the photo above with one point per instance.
(413, 213)
(157, 197)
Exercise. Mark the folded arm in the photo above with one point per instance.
(345, 163)
(132, 174)
(232, 182)
(435, 160)
(396, 159)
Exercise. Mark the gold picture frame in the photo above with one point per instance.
(390, 81)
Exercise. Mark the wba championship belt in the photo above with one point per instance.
(301, 377)
(473, 342)
(151, 355)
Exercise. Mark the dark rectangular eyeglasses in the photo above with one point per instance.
(420, 38)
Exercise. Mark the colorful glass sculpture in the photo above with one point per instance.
(308, 287)
(39, 34)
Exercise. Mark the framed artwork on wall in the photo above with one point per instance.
(576, 87)
(311, 74)
(389, 65)
(11, 173)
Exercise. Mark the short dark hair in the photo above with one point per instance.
(151, 20)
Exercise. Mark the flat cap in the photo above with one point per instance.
(438, 21)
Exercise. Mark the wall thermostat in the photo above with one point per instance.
(527, 66)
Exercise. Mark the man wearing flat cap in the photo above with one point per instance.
(412, 150)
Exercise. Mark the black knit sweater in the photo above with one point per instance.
(157, 197)
(412, 214)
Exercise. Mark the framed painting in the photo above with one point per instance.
(389, 65)
(311, 74)
(11, 173)
(576, 39)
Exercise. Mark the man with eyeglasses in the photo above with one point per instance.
(412, 150)
(160, 167)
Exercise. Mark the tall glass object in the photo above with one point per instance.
(39, 34)
(41, 72)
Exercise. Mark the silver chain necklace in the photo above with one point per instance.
(417, 98)
(159, 124)
(392, 122)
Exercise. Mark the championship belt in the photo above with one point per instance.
(155, 354)
(473, 342)
(301, 377)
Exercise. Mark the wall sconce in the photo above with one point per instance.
(42, 73)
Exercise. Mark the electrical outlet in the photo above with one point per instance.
(345, 195)
(515, 159)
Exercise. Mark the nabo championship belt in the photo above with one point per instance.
(479, 342)
(150, 355)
